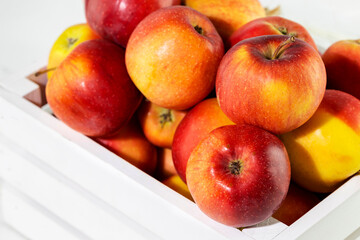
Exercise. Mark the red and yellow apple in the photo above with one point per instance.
(274, 82)
(173, 55)
(66, 42)
(298, 201)
(325, 151)
(342, 62)
(130, 144)
(239, 175)
(91, 91)
(158, 123)
(115, 20)
(228, 16)
(198, 122)
(272, 25)
(175, 183)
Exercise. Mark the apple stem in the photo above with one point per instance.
(277, 51)
(38, 73)
(199, 29)
(235, 167)
(165, 117)
(283, 30)
(72, 41)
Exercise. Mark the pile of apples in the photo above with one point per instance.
(217, 95)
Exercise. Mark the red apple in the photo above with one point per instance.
(173, 55)
(116, 19)
(228, 15)
(342, 62)
(272, 25)
(325, 151)
(130, 144)
(198, 122)
(91, 91)
(274, 82)
(298, 201)
(239, 175)
(158, 123)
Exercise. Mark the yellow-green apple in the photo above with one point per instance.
(272, 81)
(272, 25)
(342, 62)
(115, 20)
(91, 91)
(298, 201)
(66, 42)
(130, 144)
(239, 174)
(198, 122)
(173, 55)
(165, 167)
(325, 151)
(175, 183)
(229, 15)
(158, 123)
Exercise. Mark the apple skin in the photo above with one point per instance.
(165, 167)
(342, 62)
(239, 175)
(170, 62)
(324, 152)
(91, 91)
(277, 94)
(228, 16)
(158, 123)
(198, 122)
(130, 144)
(298, 201)
(272, 25)
(175, 183)
(66, 42)
(115, 20)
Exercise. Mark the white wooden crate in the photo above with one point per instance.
(58, 184)
(56, 180)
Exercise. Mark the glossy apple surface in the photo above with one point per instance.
(130, 144)
(198, 122)
(66, 42)
(115, 20)
(229, 15)
(274, 82)
(91, 91)
(324, 152)
(239, 175)
(342, 62)
(173, 55)
(272, 25)
(298, 201)
(159, 124)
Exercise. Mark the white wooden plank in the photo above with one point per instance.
(106, 176)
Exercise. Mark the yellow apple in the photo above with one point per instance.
(66, 42)
(228, 16)
(325, 151)
(175, 183)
